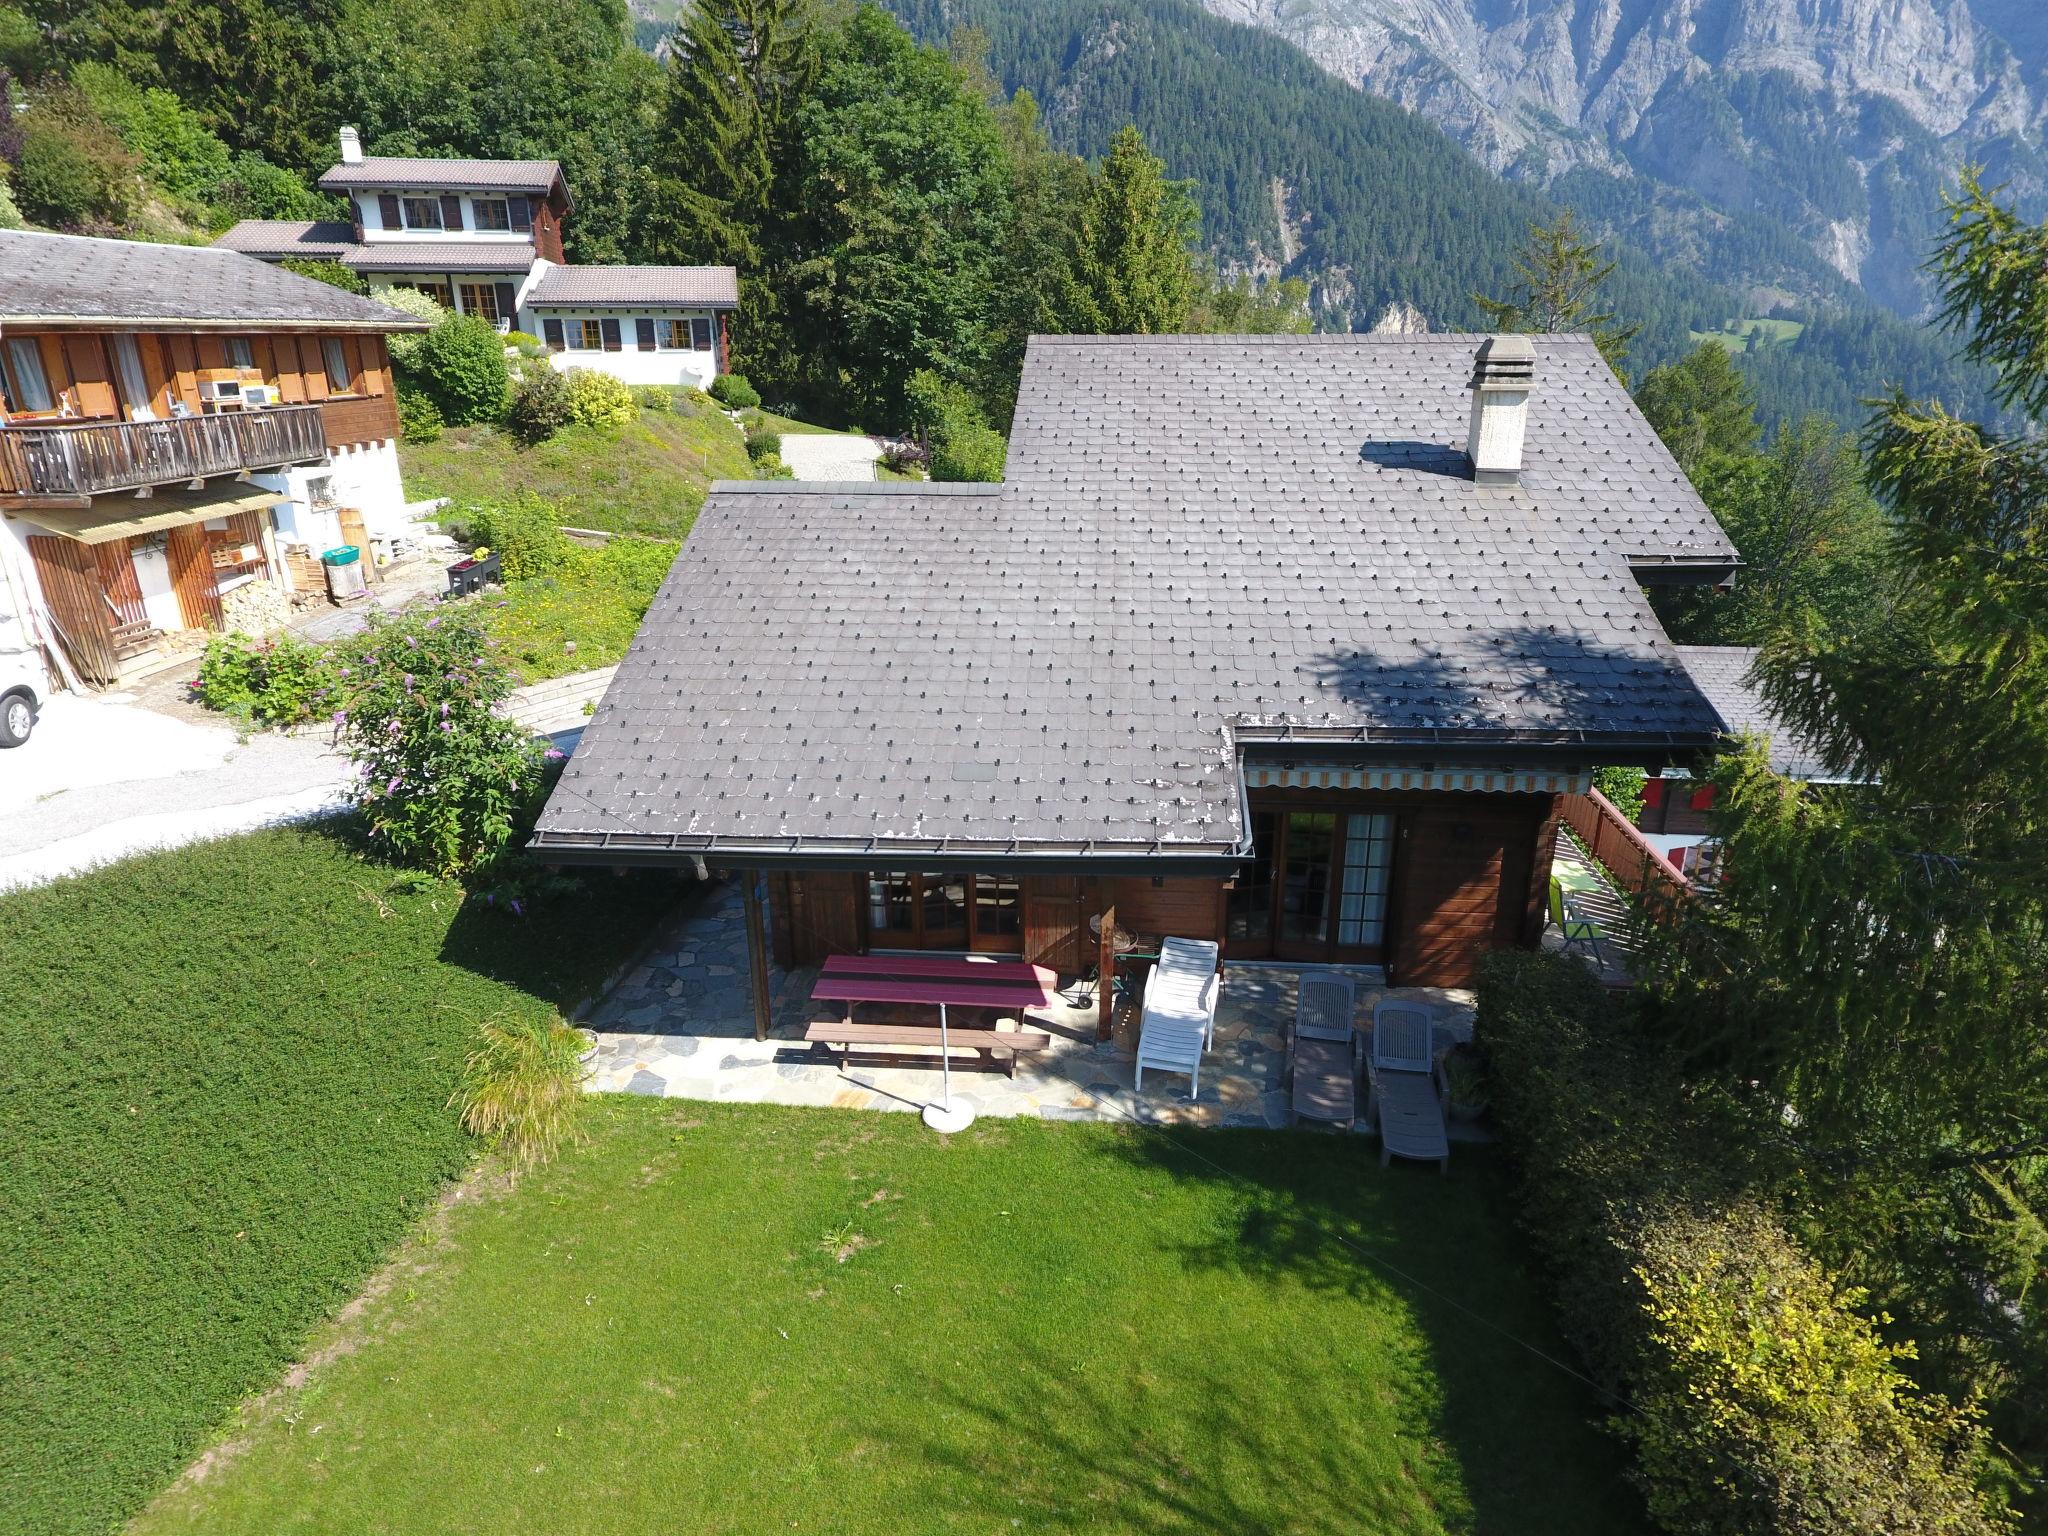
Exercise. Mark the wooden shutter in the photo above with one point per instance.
(646, 328)
(451, 213)
(521, 210)
(610, 327)
(77, 606)
(1055, 931)
(551, 333)
(117, 576)
(508, 304)
(387, 211)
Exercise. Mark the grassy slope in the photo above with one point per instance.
(226, 1094)
(650, 478)
(725, 1318)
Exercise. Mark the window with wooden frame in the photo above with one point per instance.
(675, 335)
(433, 288)
(480, 299)
(335, 358)
(945, 910)
(129, 379)
(241, 352)
(422, 212)
(28, 386)
(490, 213)
(585, 335)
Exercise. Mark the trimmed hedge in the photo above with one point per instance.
(734, 392)
(1763, 1400)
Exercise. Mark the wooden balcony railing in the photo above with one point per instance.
(84, 458)
(1636, 867)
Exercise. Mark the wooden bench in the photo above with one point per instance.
(984, 1042)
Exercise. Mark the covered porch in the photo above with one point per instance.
(681, 1024)
(122, 578)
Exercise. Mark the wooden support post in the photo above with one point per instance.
(757, 952)
(1105, 970)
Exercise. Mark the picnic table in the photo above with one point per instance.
(941, 981)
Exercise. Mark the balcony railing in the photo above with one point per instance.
(83, 458)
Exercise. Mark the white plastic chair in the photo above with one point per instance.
(1179, 1016)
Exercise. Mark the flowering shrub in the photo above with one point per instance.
(599, 401)
(444, 776)
(278, 682)
(540, 405)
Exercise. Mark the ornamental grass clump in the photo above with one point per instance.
(522, 1088)
(443, 776)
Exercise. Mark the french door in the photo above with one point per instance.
(945, 910)
(1318, 887)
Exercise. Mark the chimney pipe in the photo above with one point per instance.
(1503, 373)
(351, 147)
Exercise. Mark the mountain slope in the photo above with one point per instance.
(1375, 206)
(1838, 122)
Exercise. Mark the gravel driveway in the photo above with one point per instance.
(830, 456)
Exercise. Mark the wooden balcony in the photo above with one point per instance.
(85, 458)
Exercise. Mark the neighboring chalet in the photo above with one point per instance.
(178, 424)
(1677, 807)
(484, 237)
(1292, 642)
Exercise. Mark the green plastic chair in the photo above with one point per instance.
(1577, 931)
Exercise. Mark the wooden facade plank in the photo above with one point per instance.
(69, 577)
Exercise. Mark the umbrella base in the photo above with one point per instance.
(949, 1118)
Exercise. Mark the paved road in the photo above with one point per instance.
(103, 777)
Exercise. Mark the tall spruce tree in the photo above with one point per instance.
(1135, 271)
(1558, 277)
(1876, 959)
(737, 71)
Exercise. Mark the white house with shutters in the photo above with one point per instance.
(484, 237)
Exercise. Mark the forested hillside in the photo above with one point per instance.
(1380, 207)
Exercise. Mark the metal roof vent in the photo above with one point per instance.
(1503, 373)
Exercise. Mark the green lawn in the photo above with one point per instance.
(649, 478)
(225, 1097)
(720, 1318)
(597, 599)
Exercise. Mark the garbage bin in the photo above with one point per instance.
(345, 577)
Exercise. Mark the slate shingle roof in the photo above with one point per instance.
(76, 278)
(313, 239)
(324, 240)
(1722, 673)
(693, 287)
(1202, 542)
(535, 176)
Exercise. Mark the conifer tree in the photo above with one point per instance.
(1558, 277)
(1135, 271)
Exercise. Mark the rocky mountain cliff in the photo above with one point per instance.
(1715, 127)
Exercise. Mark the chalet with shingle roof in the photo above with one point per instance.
(1290, 642)
(183, 431)
(484, 237)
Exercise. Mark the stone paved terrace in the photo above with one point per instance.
(681, 1025)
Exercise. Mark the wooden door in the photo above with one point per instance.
(1055, 927)
(76, 604)
(354, 532)
(1452, 891)
(117, 578)
(192, 577)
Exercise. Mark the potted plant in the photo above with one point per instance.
(1464, 1078)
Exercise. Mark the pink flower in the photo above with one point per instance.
(447, 725)
(554, 755)
(394, 782)
(341, 717)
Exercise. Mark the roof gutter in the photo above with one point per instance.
(397, 322)
(1653, 570)
(1216, 860)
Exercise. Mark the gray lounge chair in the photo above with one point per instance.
(1403, 1102)
(1321, 1054)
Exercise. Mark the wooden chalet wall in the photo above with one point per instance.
(1471, 874)
(78, 364)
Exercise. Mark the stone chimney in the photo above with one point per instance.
(351, 147)
(1503, 373)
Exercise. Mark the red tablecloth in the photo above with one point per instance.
(955, 981)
